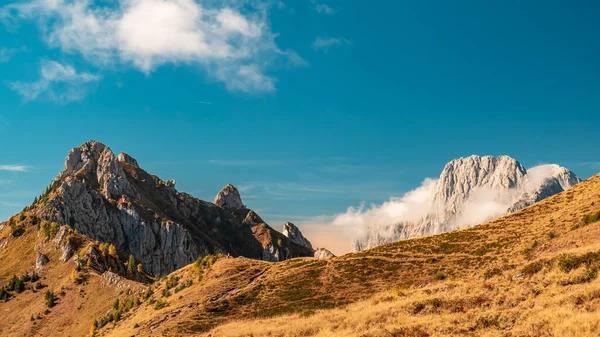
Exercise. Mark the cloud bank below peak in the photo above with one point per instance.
(233, 44)
(438, 206)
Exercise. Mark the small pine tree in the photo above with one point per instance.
(50, 299)
(19, 286)
(131, 264)
(76, 277)
(112, 250)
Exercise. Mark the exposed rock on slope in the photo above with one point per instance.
(125, 158)
(111, 199)
(469, 191)
(293, 233)
(276, 246)
(229, 198)
(322, 253)
(41, 261)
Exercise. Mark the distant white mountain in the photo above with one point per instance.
(469, 191)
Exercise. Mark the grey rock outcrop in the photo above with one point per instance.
(113, 200)
(295, 235)
(229, 198)
(41, 261)
(470, 191)
(125, 158)
(252, 219)
(274, 254)
(322, 253)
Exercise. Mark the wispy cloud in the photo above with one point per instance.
(14, 168)
(322, 8)
(5, 181)
(245, 188)
(203, 102)
(6, 54)
(58, 82)
(302, 190)
(245, 162)
(592, 164)
(231, 41)
(325, 43)
(11, 204)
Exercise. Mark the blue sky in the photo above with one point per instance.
(308, 106)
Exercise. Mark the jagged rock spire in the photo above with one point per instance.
(293, 233)
(229, 198)
(96, 161)
(125, 158)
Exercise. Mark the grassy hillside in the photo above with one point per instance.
(80, 296)
(531, 273)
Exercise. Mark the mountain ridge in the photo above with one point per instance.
(482, 281)
(469, 191)
(112, 199)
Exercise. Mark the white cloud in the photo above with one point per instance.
(14, 168)
(483, 204)
(323, 8)
(6, 54)
(234, 45)
(57, 82)
(411, 206)
(324, 43)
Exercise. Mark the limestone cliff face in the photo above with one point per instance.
(111, 199)
(470, 191)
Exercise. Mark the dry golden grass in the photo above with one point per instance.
(461, 283)
(26, 314)
(502, 278)
(499, 306)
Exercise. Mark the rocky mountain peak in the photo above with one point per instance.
(462, 176)
(295, 235)
(470, 191)
(125, 158)
(229, 198)
(95, 164)
(111, 199)
(84, 157)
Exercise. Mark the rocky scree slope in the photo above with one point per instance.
(470, 191)
(112, 199)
